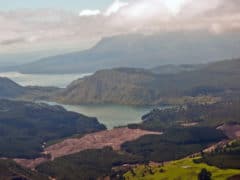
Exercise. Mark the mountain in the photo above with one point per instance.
(142, 87)
(141, 51)
(12, 90)
(8, 88)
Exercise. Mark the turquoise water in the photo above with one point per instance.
(109, 114)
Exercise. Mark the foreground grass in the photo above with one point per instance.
(181, 169)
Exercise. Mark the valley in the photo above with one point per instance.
(120, 90)
(142, 118)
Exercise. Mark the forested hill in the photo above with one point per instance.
(139, 86)
(9, 170)
(25, 126)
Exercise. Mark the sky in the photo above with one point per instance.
(74, 5)
(28, 26)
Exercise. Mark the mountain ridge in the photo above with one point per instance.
(140, 51)
(143, 87)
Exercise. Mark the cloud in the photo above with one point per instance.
(115, 7)
(88, 12)
(216, 16)
(48, 28)
(12, 41)
(111, 10)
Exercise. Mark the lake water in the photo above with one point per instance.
(57, 80)
(108, 114)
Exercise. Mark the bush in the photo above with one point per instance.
(204, 175)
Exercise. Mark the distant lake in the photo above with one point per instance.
(110, 115)
(57, 80)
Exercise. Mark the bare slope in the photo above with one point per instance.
(114, 138)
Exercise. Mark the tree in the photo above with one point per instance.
(132, 172)
(204, 175)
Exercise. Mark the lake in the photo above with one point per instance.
(57, 80)
(109, 114)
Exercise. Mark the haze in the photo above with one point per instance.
(62, 27)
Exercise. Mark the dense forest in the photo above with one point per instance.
(89, 164)
(175, 143)
(223, 157)
(211, 115)
(25, 127)
(9, 170)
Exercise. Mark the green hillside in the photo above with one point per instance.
(226, 157)
(181, 169)
(211, 115)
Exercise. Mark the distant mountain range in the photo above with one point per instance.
(143, 87)
(140, 51)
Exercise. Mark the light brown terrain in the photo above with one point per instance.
(31, 163)
(189, 124)
(114, 138)
(231, 130)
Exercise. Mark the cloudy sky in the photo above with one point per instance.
(60, 25)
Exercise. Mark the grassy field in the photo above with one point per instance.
(181, 169)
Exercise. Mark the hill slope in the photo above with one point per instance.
(9, 170)
(124, 86)
(178, 169)
(9, 88)
(25, 126)
(139, 86)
